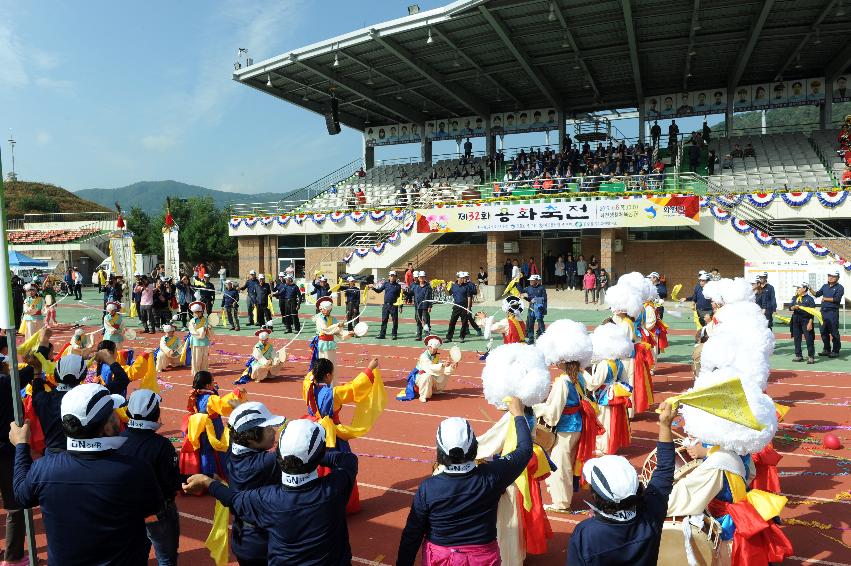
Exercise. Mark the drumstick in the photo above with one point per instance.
(378, 559)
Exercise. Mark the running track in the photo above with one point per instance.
(399, 451)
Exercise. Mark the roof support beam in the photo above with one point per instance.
(346, 119)
(691, 40)
(633, 47)
(436, 78)
(402, 110)
(463, 54)
(747, 51)
(839, 63)
(575, 47)
(831, 6)
(520, 55)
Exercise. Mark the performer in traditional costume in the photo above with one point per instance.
(626, 305)
(609, 387)
(656, 330)
(430, 376)
(113, 323)
(328, 329)
(566, 344)
(325, 400)
(168, 354)
(265, 360)
(518, 370)
(513, 329)
(206, 440)
(200, 333)
(33, 311)
(80, 343)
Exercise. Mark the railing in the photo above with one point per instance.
(15, 224)
(55, 217)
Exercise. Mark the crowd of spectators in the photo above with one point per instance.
(844, 151)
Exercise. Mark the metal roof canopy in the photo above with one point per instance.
(490, 56)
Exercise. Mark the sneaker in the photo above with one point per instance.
(232, 328)
(810, 361)
(380, 337)
(423, 399)
(833, 355)
(824, 353)
(798, 359)
(419, 337)
(462, 340)
(480, 332)
(394, 338)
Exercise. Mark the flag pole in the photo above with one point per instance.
(7, 322)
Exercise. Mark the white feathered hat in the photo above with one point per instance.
(624, 299)
(643, 286)
(610, 342)
(515, 370)
(566, 340)
(727, 291)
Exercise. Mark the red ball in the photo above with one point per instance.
(831, 441)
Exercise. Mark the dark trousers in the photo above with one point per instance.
(289, 313)
(263, 314)
(352, 311)
(458, 312)
(389, 310)
(164, 534)
(184, 314)
(233, 315)
(799, 331)
(146, 317)
(770, 317)
(423, 319)
(78, 291)
(701, 316)
(472, 322)
(252, 302)
(15, 527)
(830, 329)
(660, 311)
(533, 316)
(163, 317)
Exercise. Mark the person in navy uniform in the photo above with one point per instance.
(289, 301)
(473, 291)
(831, 294)
(537, 297)
(460, 293)
(661, 290)
(802, 323)
(702, 305)
(352, 294)
(392, 289)
(423, 295)
(766, 298)
(251, 286)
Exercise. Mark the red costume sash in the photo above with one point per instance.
(766, 478)
(643, 387)
(591, 428)
(536, 526)
(516, 331)
(756, 541)
(620, 435)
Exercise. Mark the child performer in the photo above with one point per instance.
(609, 387)
(430, 376)
(168, 354)
(325, 401)
(265, 360)
(206, 441)
(33, 311)
(513, 329)
(324, 344)
(113, 323)
(566, 344)
(200, 333)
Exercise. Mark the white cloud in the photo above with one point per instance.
(42, 138)
(14, 72)
(158, 143)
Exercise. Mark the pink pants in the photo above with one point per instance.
(466, 555)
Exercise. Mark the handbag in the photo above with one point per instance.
(545, 436)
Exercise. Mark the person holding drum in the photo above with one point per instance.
(431, 375)
(513, 329)
(81, 344)
(113, 323)
(266, 361)
(200, 332)
(168, 354)
(566, 344)
(324, 344)
(626, 526)
(33, 311)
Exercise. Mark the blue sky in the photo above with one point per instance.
(101, 94)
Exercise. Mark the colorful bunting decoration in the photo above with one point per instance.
(761, 200)
(235, 222)
(817, 249)
(357, 216)
(741, 226)
(796, 199)
(377, 215)
(831, 199)
(283, 219)
(730, 201)
(790, 245)
(318, 218)
(763, 237)
(720, 214)
(337, 216)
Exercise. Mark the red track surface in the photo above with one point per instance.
(399, 451)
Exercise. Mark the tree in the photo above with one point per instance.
(139, 223)
(38, 202)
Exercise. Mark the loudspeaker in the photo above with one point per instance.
(332, 118)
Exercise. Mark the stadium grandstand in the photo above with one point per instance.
(574, 74)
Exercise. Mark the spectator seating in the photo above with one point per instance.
(784, 160)
(50, 236)
(827, 145)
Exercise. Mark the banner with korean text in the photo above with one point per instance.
(670, 210)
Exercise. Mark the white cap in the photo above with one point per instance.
(196, 307)
(323, 278)
(90, 402)
(455, 432)
(611, 477)
(302, 438)
(28, 287)
(263, 335)
(142, 403)
(391, 273)
(755, 279)
(79, 332)
(764, 274)
(802, 285)
(833, 272)
(252, 272)
(253, 414)
(261, 276)
(420, 274)
(168, 327)
(701, 272)
(281, 274)
(350, 278)
(71, 364)
(534, 277)
(111, 307)
(460, 274)
(704, 277)
(653, 274)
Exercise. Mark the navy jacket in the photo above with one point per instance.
(352, 296)
(321, 291)
(537, 295)
(159, 453)
(230, 298)
(662, 290)
(251, 287)
(701, 303)
(262, 293)
(7, 414)
(422, 294)
(288, 291)
(306, 524)
(93, 504)
(799, 315)
(251, 470)
(391, 291)
(836, 292)
(460, 509)
(600, 541)
(472, 291)
(459, 294)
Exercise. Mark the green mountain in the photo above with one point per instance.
(150, 195)
(23, 197)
